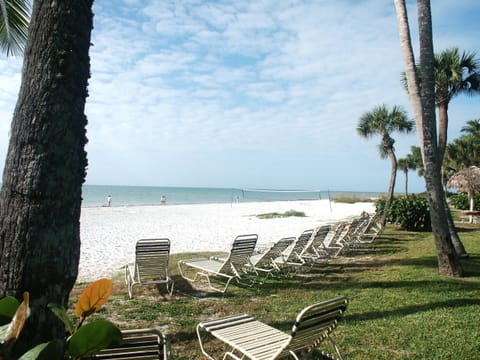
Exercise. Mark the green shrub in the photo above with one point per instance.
(460, 201)
(412, 212)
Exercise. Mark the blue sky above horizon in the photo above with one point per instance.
(262, 93)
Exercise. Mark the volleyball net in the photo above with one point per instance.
(261, 195)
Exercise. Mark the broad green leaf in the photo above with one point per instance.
(94, 296)
(62, 315)
(52, 350)
(16, 325)
(92, 337)
(8, 306)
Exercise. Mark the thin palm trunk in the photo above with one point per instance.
(442, 130)
(424, 109)
(391, 187)
(406, 182)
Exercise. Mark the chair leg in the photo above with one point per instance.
(172, 284)
(201, 344)
(129, 281)
(130, 289)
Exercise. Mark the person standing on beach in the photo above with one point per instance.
(109, 200)
(163, 200)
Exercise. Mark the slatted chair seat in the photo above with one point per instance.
(142, 344)
(225, 270)
(150, 266)
(252, 339)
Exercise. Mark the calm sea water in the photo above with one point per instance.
(96, 195)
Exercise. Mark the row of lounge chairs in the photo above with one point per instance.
(246, 337)
(324, 242)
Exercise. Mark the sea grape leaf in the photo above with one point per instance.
(8, 306)
(45, 351)
(92, 337)
(16, 325)
(61, 313)
(93, 297)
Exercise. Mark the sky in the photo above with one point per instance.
(249, 94)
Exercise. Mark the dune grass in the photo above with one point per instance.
(274, 215)
(400, 308)
(347, 198)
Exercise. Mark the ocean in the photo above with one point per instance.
(96, 195)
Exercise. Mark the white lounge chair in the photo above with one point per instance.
(147, 344)
(264, 262)
(315, 248)
(371, 230)
(223, 270)
(248, 338)
(150, 266)
(291, 256)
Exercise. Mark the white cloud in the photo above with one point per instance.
(244, 93)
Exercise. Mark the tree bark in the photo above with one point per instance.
(391, 187)
(406, 183)
(423, 104)
(442, 145)
(442, 130)
(45, 168)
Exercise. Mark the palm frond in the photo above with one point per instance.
(14, 21)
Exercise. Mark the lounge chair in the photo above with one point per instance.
(315, 249)
(147, 344)
(264, 262)
(372, 229)
(343, 237)
(291, 256)
(223, 270)
(150, 266)
(248, 338)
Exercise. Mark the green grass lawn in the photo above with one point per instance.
(400, 308)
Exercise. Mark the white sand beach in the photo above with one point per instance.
(109, 234)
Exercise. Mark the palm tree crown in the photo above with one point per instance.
(381, 121)
(472, 127)
(455, 74)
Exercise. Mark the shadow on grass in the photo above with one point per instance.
(413, 309)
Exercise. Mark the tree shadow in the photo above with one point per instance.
(412, 309)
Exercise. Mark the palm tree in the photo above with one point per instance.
(423, 104)
(405, 164)
(416, 156)
(14, 20)
(381, 121)
(455, 74)
(45, 167)
(461, 153)
(472, 128)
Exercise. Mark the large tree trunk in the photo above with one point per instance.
(40, 199)
(442, 144)
(424, 109)
(457, 243)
